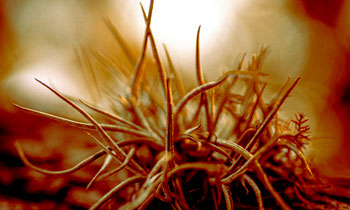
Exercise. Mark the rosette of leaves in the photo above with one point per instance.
(219, 145)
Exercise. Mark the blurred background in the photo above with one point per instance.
(39, 39)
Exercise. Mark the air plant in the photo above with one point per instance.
(217, 146)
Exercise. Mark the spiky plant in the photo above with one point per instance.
(216, 146)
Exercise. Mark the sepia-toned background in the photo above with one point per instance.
(39, 39)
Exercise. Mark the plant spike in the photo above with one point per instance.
(161, 70)
(169, 143)
(139, 71)
(99, 177)
(112, 116)
(107, 161)
(271, 115)
(201, 81)
(75, 168)
(169, 146)
(118, 152)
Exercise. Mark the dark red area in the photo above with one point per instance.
(326, 11)
(343, 107)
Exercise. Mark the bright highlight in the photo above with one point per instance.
(175, 23)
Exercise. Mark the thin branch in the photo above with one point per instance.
(263, 178)
(196, 91)
(78, 166)
(85, 63)
(262, 175)
(252, 159)
(210, 145)
(112, 116)
(91, 70)
(152, 176)
(169, 143)
(144, 194)
(181, 195)
(271, 116)
(299, 154)
(111, 64)
(199, 71)
(235, 147)
(215, 199)
(252, 112)
(256, 190)
(118, 152)
(141, 116)
(201, 81)
(115, 190)
(87, 126)
(228, 197)
(116, 170)
(126, 49)
(139, 71)
(110, 152)
(107, 161)
(161, 70)
(146, 202)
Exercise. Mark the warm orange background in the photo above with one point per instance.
(319, 52)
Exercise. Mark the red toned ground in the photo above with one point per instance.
(51, 146)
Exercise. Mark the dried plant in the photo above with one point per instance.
(217, 146)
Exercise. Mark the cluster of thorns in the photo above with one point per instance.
(219, 137)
